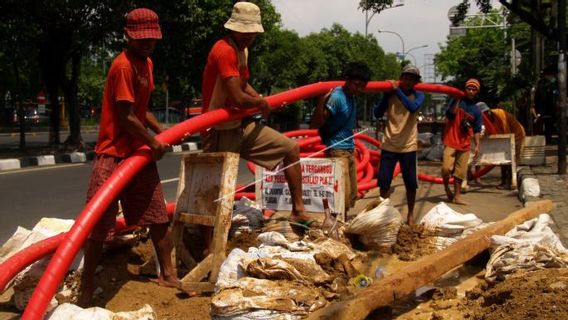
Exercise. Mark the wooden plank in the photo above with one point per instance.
(192, 287)
(419, 273)
(224, 212)
(200, 271)
(191, 218)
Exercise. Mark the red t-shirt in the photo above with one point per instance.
(129, 79)
(453, 136)
(222, 63)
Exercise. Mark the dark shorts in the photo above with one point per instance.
(407, 162)
(142, 200)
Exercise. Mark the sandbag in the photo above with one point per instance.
(377, 225)
(443, 226)
(529, 246)
(69, 311)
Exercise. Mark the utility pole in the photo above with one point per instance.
(562, 86)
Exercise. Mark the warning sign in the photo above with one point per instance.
(321, 178)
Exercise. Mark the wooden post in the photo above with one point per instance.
(424, 271)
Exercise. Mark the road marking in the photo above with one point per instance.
(170, 180)
(57, 166)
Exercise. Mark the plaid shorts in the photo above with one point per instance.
(142, 200)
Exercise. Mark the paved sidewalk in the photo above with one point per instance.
(555, 187)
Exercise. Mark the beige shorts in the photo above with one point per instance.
(253, 141)
(455, 162)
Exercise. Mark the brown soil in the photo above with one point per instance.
(411, 243)
(536, 295)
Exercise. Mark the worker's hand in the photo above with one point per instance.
(394, 84)
(264, 108)
(159, 149)
(476, 152)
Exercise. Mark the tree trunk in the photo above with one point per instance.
(20, 110)
(74, 140)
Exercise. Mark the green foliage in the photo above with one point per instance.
(484, 53)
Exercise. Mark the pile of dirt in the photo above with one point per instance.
(527, 295)
(411, 243)
(243, 241)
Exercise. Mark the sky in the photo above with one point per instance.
(418, 22)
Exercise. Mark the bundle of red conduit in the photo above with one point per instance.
(67, 245)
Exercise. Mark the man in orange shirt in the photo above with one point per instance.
(463, 122)
(123, 129)
(226, 85)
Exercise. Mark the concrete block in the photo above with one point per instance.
(47, 160)
(28, 162)
(189, 146)
(77, 157)
(9, 164)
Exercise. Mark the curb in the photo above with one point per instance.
(528, 185)
(73, 157)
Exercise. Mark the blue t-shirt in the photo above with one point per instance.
(338, 128)
(471, 108)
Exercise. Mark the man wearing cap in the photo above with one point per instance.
(463, 121)
(503, 122)
(335, 116)
(400, 134)
(226, 85)
(123, 129)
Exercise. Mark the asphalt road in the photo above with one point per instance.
(59, 191)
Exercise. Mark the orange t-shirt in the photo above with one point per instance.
(129, 79)
(224, 61)
(509, 123)
(453, 135)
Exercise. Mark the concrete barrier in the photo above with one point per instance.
(9, 164)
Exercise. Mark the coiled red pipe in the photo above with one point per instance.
(88, 217)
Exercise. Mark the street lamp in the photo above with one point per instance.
(404, 54)
(368, 18)
(396, 34)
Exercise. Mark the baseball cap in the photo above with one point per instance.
(143, 23)
(410, 69)
(482, 106)
(245, 18)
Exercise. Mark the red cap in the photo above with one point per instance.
(143, 23)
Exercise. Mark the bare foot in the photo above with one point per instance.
(410, 220)
(169, 283)
(299, 217)
(460, 202)
(449, 194)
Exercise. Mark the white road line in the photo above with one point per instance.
(57, 166)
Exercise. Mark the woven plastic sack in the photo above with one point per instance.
(377, 225)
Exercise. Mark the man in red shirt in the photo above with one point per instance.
(226, 85)
(463, 121)
(123, 129)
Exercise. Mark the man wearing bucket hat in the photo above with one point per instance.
(122, 130)
(225, 84)
(400, 135)
(463, 121)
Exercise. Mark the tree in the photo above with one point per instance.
(484, 53)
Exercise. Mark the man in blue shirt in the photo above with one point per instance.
(335, 116)
(400, 135)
